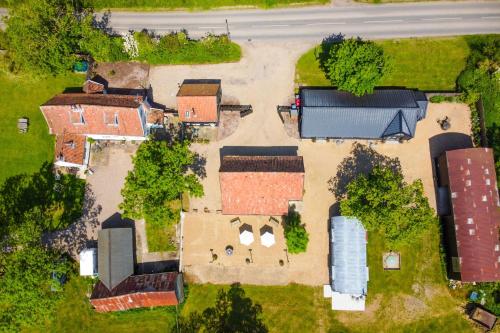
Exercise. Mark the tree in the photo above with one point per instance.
(43, 35)
(233, 312)
(384, 203)
(296, 235)
(25, 275)
(355, 65)
(160, 174)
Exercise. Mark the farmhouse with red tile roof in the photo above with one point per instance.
(260, 185)
(198, 102)
(473, 222)
(100, 116)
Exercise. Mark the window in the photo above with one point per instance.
(454, 195)
(497, 248)
(467, 182)
(111, 118)
(488, 182)
(485, 198)
(76, 115)
(469, 161)
(486, 171)
(472, 232)
(188, 115)
(470, 220)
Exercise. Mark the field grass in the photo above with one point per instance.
(21, 97)
(160, 234)
(197, 4)
(414, 299)
(423, 63)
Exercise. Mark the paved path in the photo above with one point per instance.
(314, 23)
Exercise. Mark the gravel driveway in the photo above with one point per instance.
(265, 78)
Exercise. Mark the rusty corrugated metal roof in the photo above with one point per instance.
(475, 207)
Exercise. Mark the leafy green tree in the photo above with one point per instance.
(26, 298)
(161, 174)
(296, 235)
(355, 65)
(385, 203)
(233, 312)
(43, 35)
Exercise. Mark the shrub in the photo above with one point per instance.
(296, 235)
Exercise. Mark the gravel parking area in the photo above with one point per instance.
(264, 78)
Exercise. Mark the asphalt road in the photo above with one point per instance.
(315, 23)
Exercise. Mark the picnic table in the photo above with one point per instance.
(22, 125)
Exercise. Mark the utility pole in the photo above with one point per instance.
(227, 30)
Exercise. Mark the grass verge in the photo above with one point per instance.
(423, 63)
(21, 96)
(197, 4)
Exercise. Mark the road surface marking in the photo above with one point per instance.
(490, 17)
(270, 25)
(326, 23)
(383, 21)
(441, 19)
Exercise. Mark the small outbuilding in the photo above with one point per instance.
(198, 102)
(88, 262)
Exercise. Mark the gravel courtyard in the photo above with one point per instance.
(265, 78)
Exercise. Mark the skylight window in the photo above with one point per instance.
(472, 232)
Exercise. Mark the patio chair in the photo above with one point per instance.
(235, 221)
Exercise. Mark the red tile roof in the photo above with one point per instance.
(260, 185)
(198, 109)
(65, 112)
(475, 205)
(93, 87)
(70, 148)
(137, 291)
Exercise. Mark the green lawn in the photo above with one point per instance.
(414, 299)
(21, 97)
(423, 63)
(160, 234)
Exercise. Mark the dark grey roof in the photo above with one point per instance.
(398, 125)
(262, 164)
(115, 256)
(329, 113)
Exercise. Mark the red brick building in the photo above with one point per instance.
(260, 185)
(198, 102)
(138, 291)
(472, 222)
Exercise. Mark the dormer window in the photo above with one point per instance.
(76, 115)
(111, 118)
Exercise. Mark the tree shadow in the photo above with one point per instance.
(323, 52)
(362, 161)
(103, 23)
(76, 237)
(59, 197)
(233, 312)
(198, 166)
